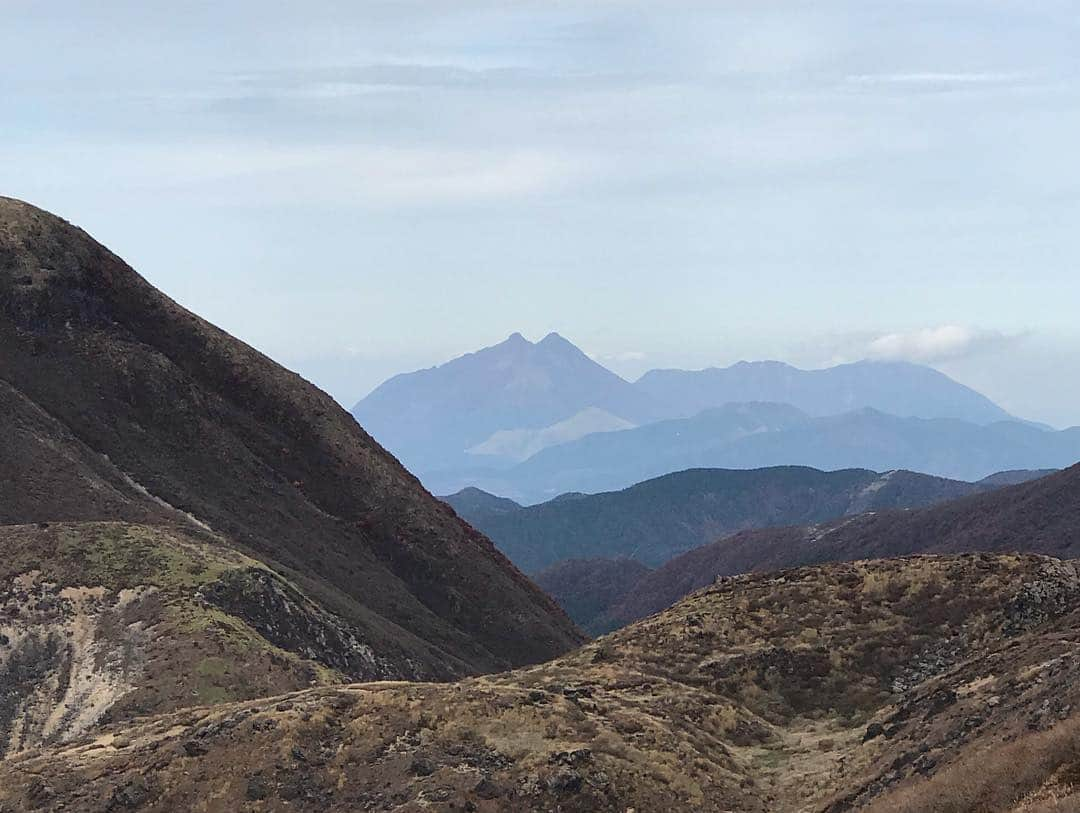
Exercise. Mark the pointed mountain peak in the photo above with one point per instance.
(515, 345)
(554, 342)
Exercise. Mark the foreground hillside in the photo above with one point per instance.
(107, 621)
(883, 685)
(655, 520)
(119, 405)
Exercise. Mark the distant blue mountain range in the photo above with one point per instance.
(533, 420)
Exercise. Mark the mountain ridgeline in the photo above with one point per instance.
(759, 435)
(189, 470)
(660, 518)
(904, 390)
(1041, 515)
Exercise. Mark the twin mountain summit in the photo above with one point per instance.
(833, 590)
(534, 421)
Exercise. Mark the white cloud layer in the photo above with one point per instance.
(935, 344)
(938, 78)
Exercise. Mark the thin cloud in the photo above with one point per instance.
(936, 78)
(619, 357)
(936, 344)
(939, 81)
(361, 174)
(358, 80)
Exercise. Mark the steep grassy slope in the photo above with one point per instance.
(46, 473)
(101, 365)
(820, 689)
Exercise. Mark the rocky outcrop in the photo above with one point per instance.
(67, 655)
(287, 619)
(102, 622)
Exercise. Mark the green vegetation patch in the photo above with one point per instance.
(116, 555)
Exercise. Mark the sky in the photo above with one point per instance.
(362, 188)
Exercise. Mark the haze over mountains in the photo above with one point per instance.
(749, 436)
(531, 421)
(901, 389)
(432, 418)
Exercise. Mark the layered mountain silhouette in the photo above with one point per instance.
(758, 435)
(268, 540)
(533, 420)
(1042, 515)
(473, 503)
(655, 520)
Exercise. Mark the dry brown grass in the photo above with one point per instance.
(1035, 773)
(707, 707)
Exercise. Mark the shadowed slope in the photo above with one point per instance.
(214, 429)
(48, 474)
(588, 588)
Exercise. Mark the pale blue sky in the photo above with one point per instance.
(361, 188)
